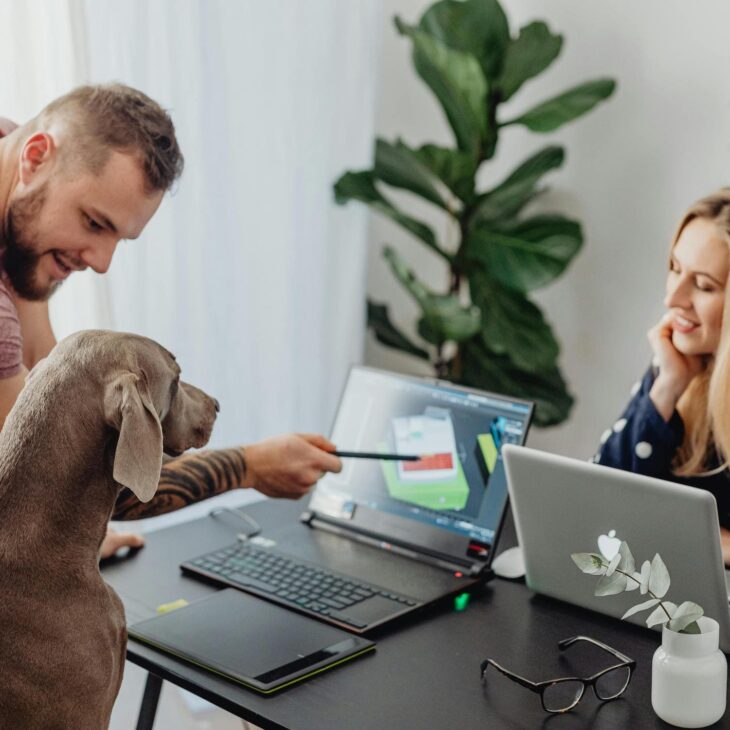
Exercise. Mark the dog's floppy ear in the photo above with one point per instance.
(138, 459)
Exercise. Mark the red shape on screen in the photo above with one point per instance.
(430, 461)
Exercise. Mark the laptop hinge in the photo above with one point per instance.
(471, 569)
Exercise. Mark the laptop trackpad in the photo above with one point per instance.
(368, 611)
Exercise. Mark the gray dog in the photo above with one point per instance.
(94, 416)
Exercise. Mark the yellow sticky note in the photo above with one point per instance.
(167, 607)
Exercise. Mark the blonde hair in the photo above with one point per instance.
(705, 405)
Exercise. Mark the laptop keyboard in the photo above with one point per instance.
(298, 584)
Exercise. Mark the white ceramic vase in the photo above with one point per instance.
(689, 677)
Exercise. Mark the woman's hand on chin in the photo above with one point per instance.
(676, 369)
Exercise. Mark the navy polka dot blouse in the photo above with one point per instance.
(641, 441)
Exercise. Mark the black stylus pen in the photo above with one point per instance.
(368, 455)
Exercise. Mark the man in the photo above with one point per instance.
(90, 170)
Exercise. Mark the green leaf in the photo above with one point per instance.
(457, 82)
(532, 254)
(567, 106)
(645, 575)
(659, 614)
(428, 333)
(361, 186)
(615, 560)
(399, 166)
(510, 196)
(527, 56)
(610, 585)
(387, 334)
(687, 613)
(590, 563)
(693, 628)
(659, 579)
(446, 317)
(627, 563)
(478, 27)
(513, 325)
(478, 366)
(455, 169)
(641, 607)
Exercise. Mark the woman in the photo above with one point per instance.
(677, 425)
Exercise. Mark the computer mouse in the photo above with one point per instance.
(510, 563)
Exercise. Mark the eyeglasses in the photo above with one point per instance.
(563, 694)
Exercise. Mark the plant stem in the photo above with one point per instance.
(441, 366)
(661, 603)
(455, 285)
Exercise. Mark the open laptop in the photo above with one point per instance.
(385, 538)
(563, 506)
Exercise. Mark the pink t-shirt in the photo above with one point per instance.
(11, 339)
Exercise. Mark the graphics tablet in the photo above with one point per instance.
(249, 641)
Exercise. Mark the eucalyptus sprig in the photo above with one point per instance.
(620, 574)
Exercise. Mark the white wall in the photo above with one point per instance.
(633, 165)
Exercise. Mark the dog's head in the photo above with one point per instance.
(145, 401)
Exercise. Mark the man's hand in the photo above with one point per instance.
(6, 126)
(287, 466)
(117, 540)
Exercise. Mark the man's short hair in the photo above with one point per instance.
(115, 117)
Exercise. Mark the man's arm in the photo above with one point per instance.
(38, 337)
(186, 480)
(283, 466)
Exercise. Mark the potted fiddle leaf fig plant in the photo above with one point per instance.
(689, 672)
(482, 329)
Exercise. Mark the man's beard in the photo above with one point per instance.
(20, 260)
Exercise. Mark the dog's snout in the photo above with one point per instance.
(216, 405)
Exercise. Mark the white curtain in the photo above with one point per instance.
(248, 272)
(42, 53)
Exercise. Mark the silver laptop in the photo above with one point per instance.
(563, 506)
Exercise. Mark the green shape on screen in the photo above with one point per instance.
(451, 494)
(488, 449)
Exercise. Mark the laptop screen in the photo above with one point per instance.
(456, 488)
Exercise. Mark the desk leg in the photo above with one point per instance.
(150, 698)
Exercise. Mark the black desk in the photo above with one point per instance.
(424, 673)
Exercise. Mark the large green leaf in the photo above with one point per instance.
(478, 27)
(528, 254)
(386, 332)
(458, 82)
(477, 366)
(444, 316)
(510, 196)
(527, 56)
(567, 106)
(513, 326)
(361, 186)
(399, 166)
(454, 168)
